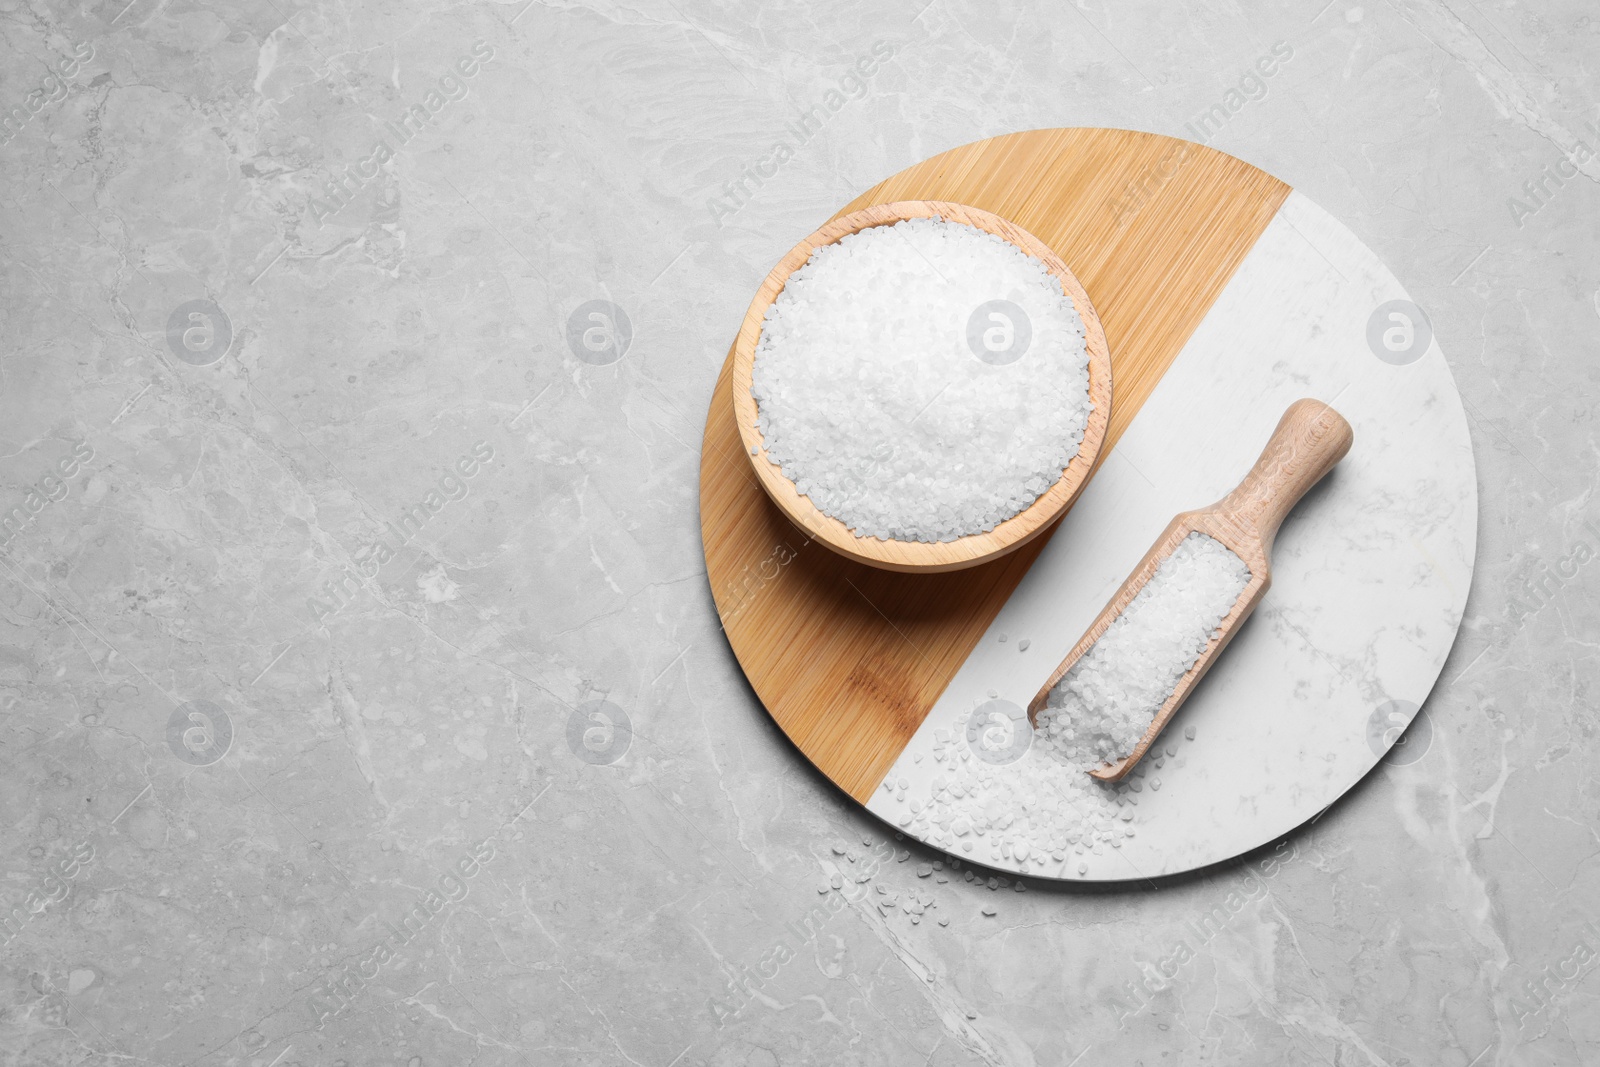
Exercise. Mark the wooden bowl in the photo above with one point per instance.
(918, 556)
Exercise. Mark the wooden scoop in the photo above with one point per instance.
(1310, 438)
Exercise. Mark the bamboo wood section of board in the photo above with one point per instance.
(848, 659)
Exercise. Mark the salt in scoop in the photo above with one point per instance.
(1310, 439)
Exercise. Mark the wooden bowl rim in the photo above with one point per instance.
(919, 556)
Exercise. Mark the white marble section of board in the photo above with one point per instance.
(1370, 572)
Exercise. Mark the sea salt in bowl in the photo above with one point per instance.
(939, 418)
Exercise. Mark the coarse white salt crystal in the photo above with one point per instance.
(875, 401)
(1041, 809)
(1110, 696)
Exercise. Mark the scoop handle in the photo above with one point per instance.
(1310, 438)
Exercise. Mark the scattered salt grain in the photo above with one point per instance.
(868, 345)
(1022, 646)
(1041, 814)
(1188, 733)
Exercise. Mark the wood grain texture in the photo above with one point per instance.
(1309, 440)
(913, 556)
(848, 658)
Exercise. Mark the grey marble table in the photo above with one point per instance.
(362, 701)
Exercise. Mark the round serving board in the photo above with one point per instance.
(1224, 296)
